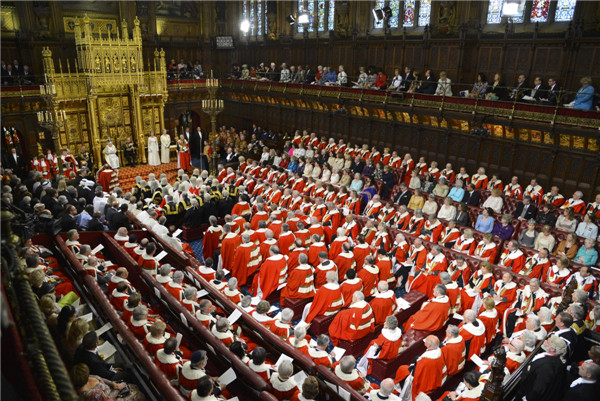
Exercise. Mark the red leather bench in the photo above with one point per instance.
(297, 305)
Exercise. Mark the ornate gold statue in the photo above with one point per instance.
(98, 65)
(107, 64)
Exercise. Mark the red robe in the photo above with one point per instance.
(514, 260)
(486, 252)
(432, 316)
(259, 216)
(535, 267)
(321, 272)
(211, 241)
(313, 252)
(293, 258)
(430, 372)
(489, 318)
(246, 261)
(320, 357)
(474, 337)
(348, 288)
(300, 284)
(344, 261)
(169, 364)
(360, 251)
(283, 390)
(271, 275)
(353, 323)
(228, 247)
(383, 305)
(148, 263)
(328, 301)
(369, 275)
(353, 379)
(286, 242)
(478, 281)
(454, 353)
(389, 342)
(336, 247)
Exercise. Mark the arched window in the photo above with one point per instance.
(255, 11)
(565, 10)
(539, 11)
(410, 8)
(325, 13)
(496, 8)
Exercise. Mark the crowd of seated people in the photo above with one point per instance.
(16, 74)
(183, 70)
(540, 91)
(350, 245)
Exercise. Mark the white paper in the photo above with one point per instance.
(235, 315)
(97, 249)
(226, 272)
(273, 309)
(338, 352)
(331, 385)
(160, 256)
(402, 303)
(104, 329)
(177, 232)
(233, 399)
(477, 360)
(106, 350)
(457, 316)
(120, 338)
(255, 301)
(183, 319)
(301, 324)
(299, 378)
(282, 358)
(277, 316)
(312, 343)
(201, 293)
(157, 292)
(88, 317)
(343, 393)
(227, 377)
(76, 303)
(178, 338)
(108, 263)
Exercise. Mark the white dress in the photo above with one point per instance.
(110, 153)
(153, 154)
(165, 142)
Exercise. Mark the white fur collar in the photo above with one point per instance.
(166, 359)
(392, 335)
(157, 341)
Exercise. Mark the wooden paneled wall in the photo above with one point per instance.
(570, 170)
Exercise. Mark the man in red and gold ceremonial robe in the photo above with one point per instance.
(300, 282)
(344, 260)
(315, 249)
(298, 250)
(328, 300)
(212, 238)
(336, 246)
(505, 293)
(512, 257)
(107, 177)
(331, 221)
(430, 369)
(360, 252)
(229, 245)
(147, 261)
(286, 240)
(168, 361)
(386, 346)
(454, 350)
(373, 207)
(472, 330)
(384, 302)
(246, 261)
(319, 354)
(353, 323)
(349, 286)
(433, 313)
(260, 215)
(428, 277)
(369, 274)
(271, 275)
(325, 265)
(346, 372)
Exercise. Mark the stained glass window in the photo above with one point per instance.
(259, 17)
(252, 21)
(300, 10)
(379, 4)
(266, 20)
(424, 12)
(311, 15)
(331, 15)
(321, 15)
(395, 6)
(565, 10)
(539, 11)
(494, 15)
(409, 13)
(245, 13)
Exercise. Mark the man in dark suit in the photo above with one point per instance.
(230, 156)
(407, 80)
(545, 376)
(357, 165)
(109, 211)
(585, 388)
(525, 210)
(193, 216)
(521, 88)
(120, 219)
(87, 353)
(538, 91)
(404, 196)
(196, 140)
(552, 94)
(69, 220)
(471, 196)
(15, 162)
(563, 322)
(429, 85)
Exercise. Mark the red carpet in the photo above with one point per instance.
(127, 174)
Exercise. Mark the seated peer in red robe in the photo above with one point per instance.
(383, 303)
(168, 360)
(430, 370)
(212, 239)
(386, 346)
(454, 350)
(328, 300)
(299, 283)
(271, 275)
(472, 330)
(350, 286)
(433, 314)
(353, 323)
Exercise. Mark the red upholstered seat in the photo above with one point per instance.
(413, 343)
(320, 325)
(297, 305)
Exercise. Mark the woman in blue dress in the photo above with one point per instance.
(369, 191)
(585, 95)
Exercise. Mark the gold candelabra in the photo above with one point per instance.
(213, 106)
(52, 119)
